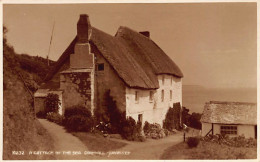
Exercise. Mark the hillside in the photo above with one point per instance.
(21, 130)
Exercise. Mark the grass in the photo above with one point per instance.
(208, 150)
(96, 142)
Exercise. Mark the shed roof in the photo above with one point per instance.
(230, 113)
(136, 58)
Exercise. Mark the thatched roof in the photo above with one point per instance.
(230, 113)
(135, 58)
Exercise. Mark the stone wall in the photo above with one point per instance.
(39, 104)
(105, 80)
(76, 88)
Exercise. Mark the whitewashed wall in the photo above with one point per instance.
(205, 128)
(143, 106)
(155, 111)
(246, 130)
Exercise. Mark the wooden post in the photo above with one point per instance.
(212, 129)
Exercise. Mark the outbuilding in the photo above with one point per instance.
(230, 118)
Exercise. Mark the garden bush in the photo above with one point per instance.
(77, 110)
(54, 117)
(172, 117)
(131, 130)
(78, 118)
(79, 123)
(239, 141)
(193, 142)
(52, 103)
(41, 114)
(155, 131)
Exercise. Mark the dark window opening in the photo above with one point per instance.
(140, 118)
(151, 96)
(100, 67)
(228, 129)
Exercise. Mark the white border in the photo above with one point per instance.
(129, 1)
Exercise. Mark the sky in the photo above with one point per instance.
(214, 44)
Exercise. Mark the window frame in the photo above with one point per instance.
(228, 129)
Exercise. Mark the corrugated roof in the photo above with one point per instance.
(136, 59)
(230, 113)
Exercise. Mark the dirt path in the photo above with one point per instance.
(150, 149)
(64, 142)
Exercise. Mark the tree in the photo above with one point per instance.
(52, 103)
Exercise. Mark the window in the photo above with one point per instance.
(163, 80)
(162, 95)
(100, 67)
(136, 96)
(170, 94)
(228, 129)
(151, 96)
(140, 118)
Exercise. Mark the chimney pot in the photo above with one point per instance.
(145, 33)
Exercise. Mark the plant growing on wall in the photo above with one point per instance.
(172, 118)
(109, 113)
(52, 103)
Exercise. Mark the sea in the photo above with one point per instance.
(195, 97)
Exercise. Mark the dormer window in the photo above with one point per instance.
(170, 94)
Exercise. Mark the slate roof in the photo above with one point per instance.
(135, 58)
(230, 113)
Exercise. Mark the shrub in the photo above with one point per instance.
(147, 127)
(239, 141)
(130, 130)
(52, 103)
(172, 118)
(79, 123)
(54, 117)
(77, 110)
(193, 142)
(41, 114)
(78, 118)
(154, 131)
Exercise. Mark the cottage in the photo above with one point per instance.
(141, 78)
(231, 118)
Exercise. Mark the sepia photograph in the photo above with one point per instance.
(130, 81)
